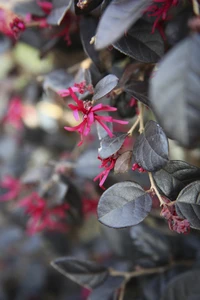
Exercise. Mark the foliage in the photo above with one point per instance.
(114, 75)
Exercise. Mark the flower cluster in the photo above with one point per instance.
(10, 24)
(174, 221)
(12, 186)
(132, 102)
(159, 9)
(138, 167)
(15, 112)
(41, 216)
(108, 164)
(17, 26)
(89, 115)
(80, 88)
(41, 21)
(89, 206)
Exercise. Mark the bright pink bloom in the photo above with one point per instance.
(17, 26)
(65, 34)
(42, 22)
(89, 207)
(41, 216)
(10, 24)
(14, 113)
(108, 164)
(65, 27)
(90, 115)
(66, 93)
(45, 6)
(84, 87)
(13, 187)
(175, 223)
(132, 102)
(80, 88)
(138, 167)
(85, 293)
(160, 10)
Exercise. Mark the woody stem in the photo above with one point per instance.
(195, 7)
(130, 132)
(154, 188)
(141, 113)
(139, 121)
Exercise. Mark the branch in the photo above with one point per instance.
(139, 120)
(141, 114)
(142, 272)
(195, 7)
(154, 189)
(130, 132)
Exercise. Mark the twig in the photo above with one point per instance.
(195, 7)
(142, 272)
(139, 120)
(141, 113)
(122, 290)
(154, 188)
(130, 132)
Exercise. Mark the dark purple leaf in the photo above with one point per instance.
(183, 287)
(85, 273)
(110, 146)
(177, 28)
(130, 83)
(60, 7)
(73, 197)
(124, 204)
(87, 165)
(188, 204)
(28, 7)
(5, 44)
(105, 86)
(172, 178)
(140, 44)
(117, 19)
(123, 163)
(57, 80)
(131, 72)
(107, 289)
(150, 150)
(123, 106)
(88, 25)
(139, 91)
(56, 193)
(37, 175)
(150, 242)
(91, 5)
(174, 92)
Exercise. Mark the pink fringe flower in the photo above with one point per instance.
(160, 10)
(174, 221)
(42, 22)
(41, 216)
(108, 164)
(14, 113)
(17, 26)
(89, 207)
(10, 24)
(138, 167)
(13, 187)
(89, 114)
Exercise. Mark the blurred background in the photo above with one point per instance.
(38, 156)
